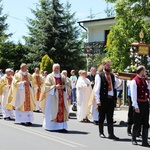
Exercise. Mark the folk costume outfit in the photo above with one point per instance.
(5, 85)
(23, 97)
(140, 99)
(37, 88)
(53, 103)
(106, 94)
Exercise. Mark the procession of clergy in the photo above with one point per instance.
(23, 93)
(95, 95)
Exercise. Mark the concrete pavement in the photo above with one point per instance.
(81, 136)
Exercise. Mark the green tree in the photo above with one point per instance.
(19, 55)
(110, 12)
(5, 45)
(53, 32)
(46, 64)
(12, 55)
(91, 15)
(130, 18)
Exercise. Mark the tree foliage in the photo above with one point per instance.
(11, 55)
(53, 32)
(109, 10)
(3, 39)
(131, 18)
(46, 64)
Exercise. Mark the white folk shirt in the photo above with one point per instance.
(97, 88)
(133, 88)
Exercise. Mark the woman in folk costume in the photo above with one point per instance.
(84, 90)
(37, 87)
(5, 85)
(53, 101)
(23, 96)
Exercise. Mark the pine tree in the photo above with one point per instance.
(53, 32)
(109, 10)
(46, 64)
(72, 52)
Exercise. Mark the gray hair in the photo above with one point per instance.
(55, 65)
(22, 65)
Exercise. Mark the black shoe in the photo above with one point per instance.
(22, 123)
(95, 122)
(134, 142)
(145, 144)
(102, 135)
(113, 137)
(7, 118)
(28, 123)
(38, 111)
(63, 131)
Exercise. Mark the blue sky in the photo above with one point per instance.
(19, 10)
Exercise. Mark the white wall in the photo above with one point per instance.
(97, 33)
(96, 30)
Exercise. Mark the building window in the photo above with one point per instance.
(106, 34)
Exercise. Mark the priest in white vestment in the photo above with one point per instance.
(5, 85)
(53, 101)
(84, 91)
(38, 80)
(23, 96)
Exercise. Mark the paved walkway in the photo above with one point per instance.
(120, 115)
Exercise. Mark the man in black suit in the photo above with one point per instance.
(105, 95)
(91, 77)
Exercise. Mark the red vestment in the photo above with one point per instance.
(60, 114)
(38, 84)
(27, 94)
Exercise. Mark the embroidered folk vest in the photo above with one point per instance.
(104, 86)
(142, 89)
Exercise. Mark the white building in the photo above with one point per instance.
(97, 29)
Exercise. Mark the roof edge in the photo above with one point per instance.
(101, 19)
